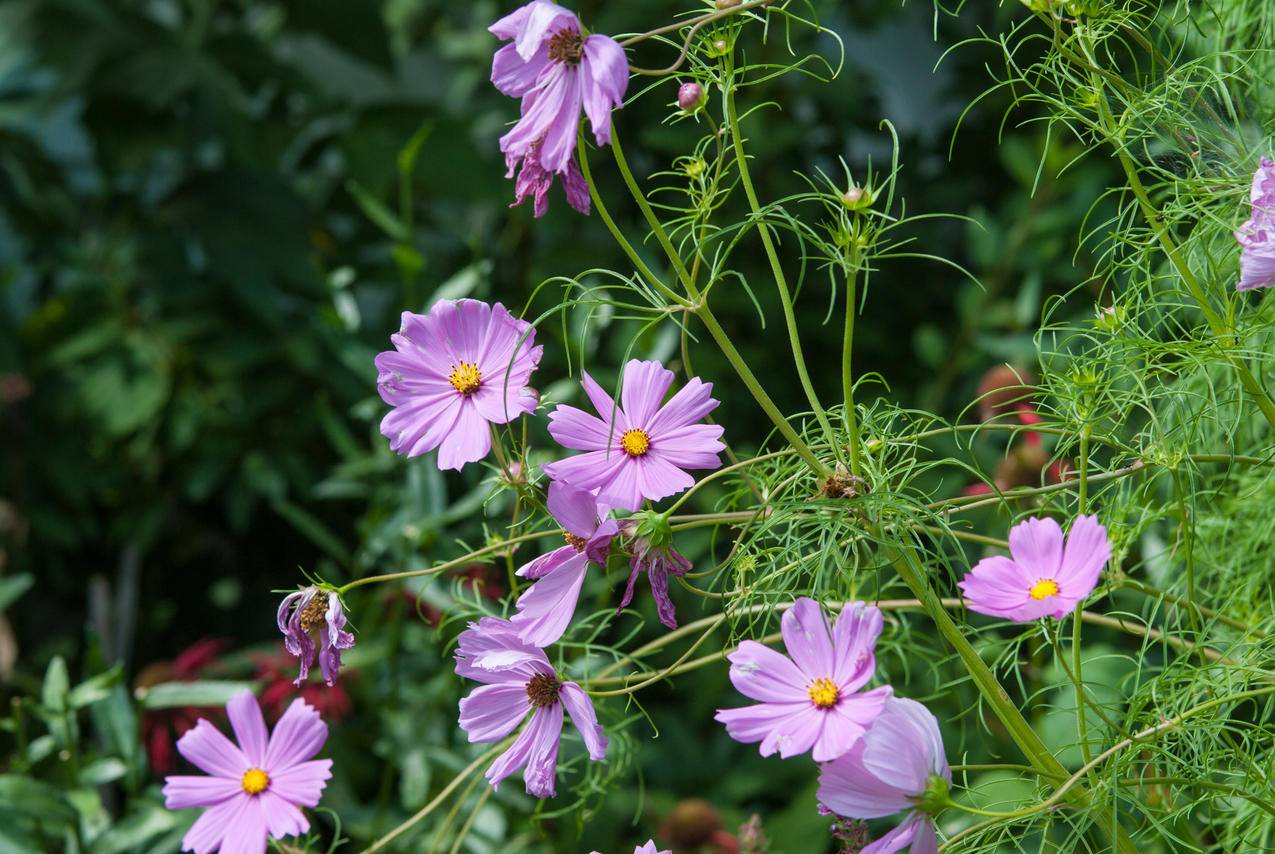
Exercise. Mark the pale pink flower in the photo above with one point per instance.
(1257, 236)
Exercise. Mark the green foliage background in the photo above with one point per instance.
(211, 214)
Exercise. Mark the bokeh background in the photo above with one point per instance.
(211, 214)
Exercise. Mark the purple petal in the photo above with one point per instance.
(576, 510)
(536, 748)
(845, 724)
(576, 429)
(515, 76)
(605, 72)
(544, 20)
(692, 402)
(249, 726)
(545, 609)
(491, 712)
(302, 784)
(604, 404)
(546, 563)
(490, 651)
(211, 828)
(808, 639)
(247, 832)
(694, 446)
(211, 752)
(762, 721)
(854, 639)
(1036, 545)
(904, 835)
(299, 734)
(182, 792)
(760, 673)
(657, 575)
(468, 441)
(576, 188)
(656, 478)
(583, 717)
(558, 145)
(643, 389)
(900, 751)
(420, 427)
(1086, 553)
(849, 789)
(281, 818)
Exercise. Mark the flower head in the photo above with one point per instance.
(518, 679)
(452, 372)
(1043, 576)
(1257, 236)
(546, 608)
(642, 448)
(691, 96)
(898, 765)
(556, 71)
(651, 542)
(808, 701)
(314, 620)
(254, 789)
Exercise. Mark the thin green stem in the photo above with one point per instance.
(1077, 672)
(847, 374)
(776, 268)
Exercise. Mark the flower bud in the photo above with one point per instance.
(691, 824)
(691, 97)
(857, 198)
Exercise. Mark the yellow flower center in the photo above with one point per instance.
(255, 781)
(1043, 589)
(577, 543)
(635, 442)
(465, 377)
(824, 693)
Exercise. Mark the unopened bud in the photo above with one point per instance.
(857, 198)
(691, 96)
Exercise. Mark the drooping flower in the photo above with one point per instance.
(1257, 236)
(313, 620)
(651, 542)
(642, 448)
(898, 765)
(453, 372)
(518, 679)
(545, 609)
(254, 789)
(556, 71)
(1042, 577)
(809, 701)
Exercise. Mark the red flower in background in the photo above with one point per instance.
(274, 672)
(162, 727)
(1004, 390)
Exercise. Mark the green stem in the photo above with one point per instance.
(776, 267)
(704, 313)
(1155, 222)
(1077, 674)
(907, 564)
(847, 375)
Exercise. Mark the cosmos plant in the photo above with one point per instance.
(1122, 685)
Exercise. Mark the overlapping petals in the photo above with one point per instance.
(453, 372)
(313, 622)
(643, 448)
(808, 700)
(1257, 236)
(1043, 576)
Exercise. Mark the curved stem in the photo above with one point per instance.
(776, 268)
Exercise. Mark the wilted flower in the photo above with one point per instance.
(254, 789)
(1041, 577)
(313, 619)
(518, 679)
(450, 375)
(556, 71)
(897, 765)
(638, 450)
(691, 96)
(1257, 236)
(653, 554)
(546, 608)
(808, 701)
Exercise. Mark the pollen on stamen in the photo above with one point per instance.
(465, 378)
(576, 542)
(824, 693)
(315, 612)
(566, 46)
(255, 781)
(635, 442)
(543, 689)
(1043, 589)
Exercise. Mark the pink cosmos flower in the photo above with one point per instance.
(556, 71)
(313, 618)
(808, 701)
(254, 789)
(1043, 577)
(546, 608)
(638, 450)
(518, 679)
(898, 765)
(1257, 236)
(450, 375)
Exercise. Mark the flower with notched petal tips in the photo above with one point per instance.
(1257, 236)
